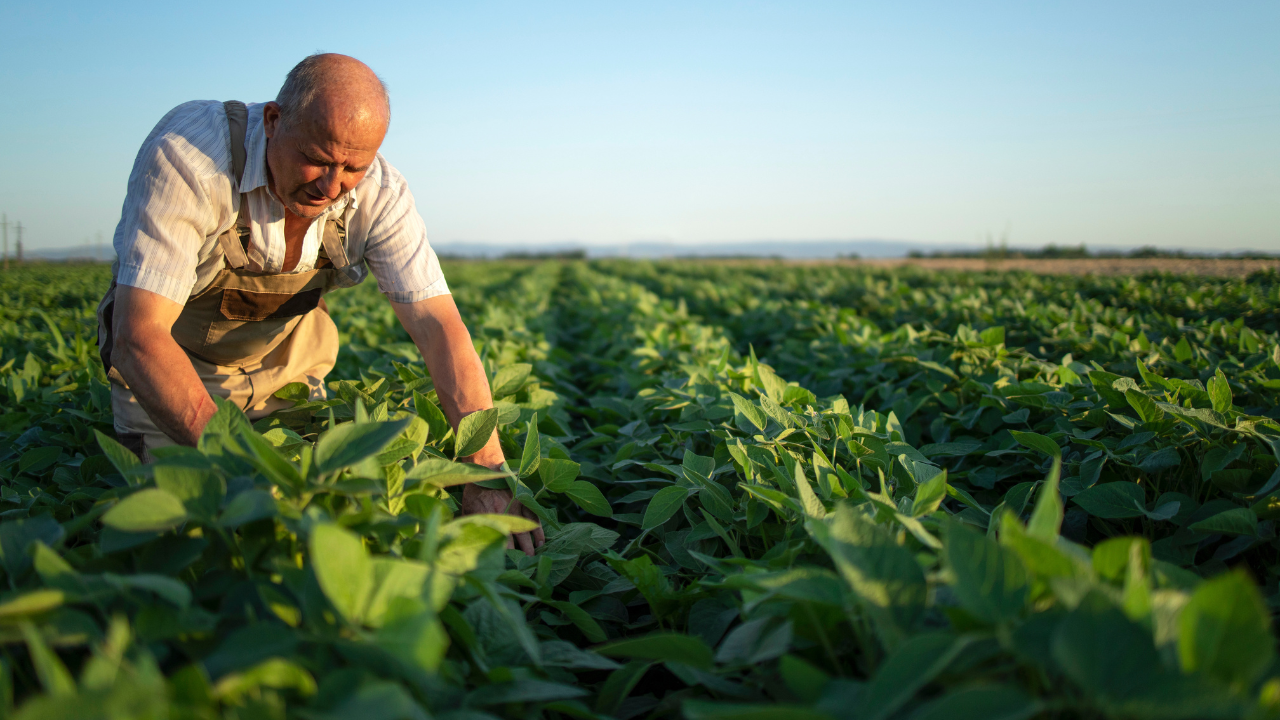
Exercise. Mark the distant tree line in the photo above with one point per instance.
(1074, 252)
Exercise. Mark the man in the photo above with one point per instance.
(236, 222)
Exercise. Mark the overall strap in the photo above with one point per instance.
(232, 244)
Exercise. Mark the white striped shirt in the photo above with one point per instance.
(181, 197)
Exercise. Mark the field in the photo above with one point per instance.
(769, 490)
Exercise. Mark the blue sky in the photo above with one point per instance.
(606, 123)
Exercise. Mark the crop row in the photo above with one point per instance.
(762, 498)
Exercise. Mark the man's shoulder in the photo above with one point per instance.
(195, 134)
(382, 184)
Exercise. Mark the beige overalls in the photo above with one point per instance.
(248, 333)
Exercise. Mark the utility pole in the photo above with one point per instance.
(19, 229)
(4, 227)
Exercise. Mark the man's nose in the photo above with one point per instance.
(330, 183)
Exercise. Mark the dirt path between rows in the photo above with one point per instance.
(1217, 267)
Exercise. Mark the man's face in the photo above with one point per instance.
(312, 163)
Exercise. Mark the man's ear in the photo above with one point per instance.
(271, 118)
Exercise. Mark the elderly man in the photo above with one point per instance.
(237, 220)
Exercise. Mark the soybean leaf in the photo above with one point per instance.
(749, 410)
(662, 647)
(558, 475)
(474, 432)
(663, 506)
(1038, 442)
(436, 421)
(508, 380)
(981, 702)
(990, 580)
(1224, 630)
(532, 455)
(444, 473)
(1046, 519)
(150, 510)
(1112, 500)
(343, 569)
(1240, 521)
(348, 444)
(121, 457)
(1219, 392)
(929, 495)
(912, 666)
(588, 497)
(199, 489)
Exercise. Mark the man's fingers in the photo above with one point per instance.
(525, 543)
(511, 543)
(539, 538)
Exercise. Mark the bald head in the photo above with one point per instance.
(333, 90)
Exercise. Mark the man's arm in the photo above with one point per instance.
(157, 370)
(460, 381)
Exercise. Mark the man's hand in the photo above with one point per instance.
(477, 500)
(463, 388)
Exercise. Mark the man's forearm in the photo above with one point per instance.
(459, 376)
(462, 385)
(166, 385)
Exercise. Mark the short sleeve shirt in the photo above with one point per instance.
(181, 197)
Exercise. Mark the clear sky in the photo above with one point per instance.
(1108, 123)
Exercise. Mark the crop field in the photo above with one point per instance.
(769, 491)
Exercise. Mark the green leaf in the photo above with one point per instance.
(1143, 405)
(1046, 519)
(587, 624)
(662, 647)
(1111, 557)
(1037, 442)
(990, 580)
(199, 489)
(436, 421)
(1240, 521)
(750, 411)
(121, 457)
(275, 673)
(929, 496)
(247, 507)
(663, 506)
(884, 576)
(348, 444)
(1182, 351)
(802, 678)
(150, 510)
(1112, 500)
(343, 569)
(588, 497)
(509, 380)
(532, 456)
(981, 702)
(1219, 392)
(474, 432)
(912, 666)
(704, 710)
(808, 500)
(52, 673)
(31, 603)
(558, 475)
(1224, 631)
(445, 473)
(619, 685)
